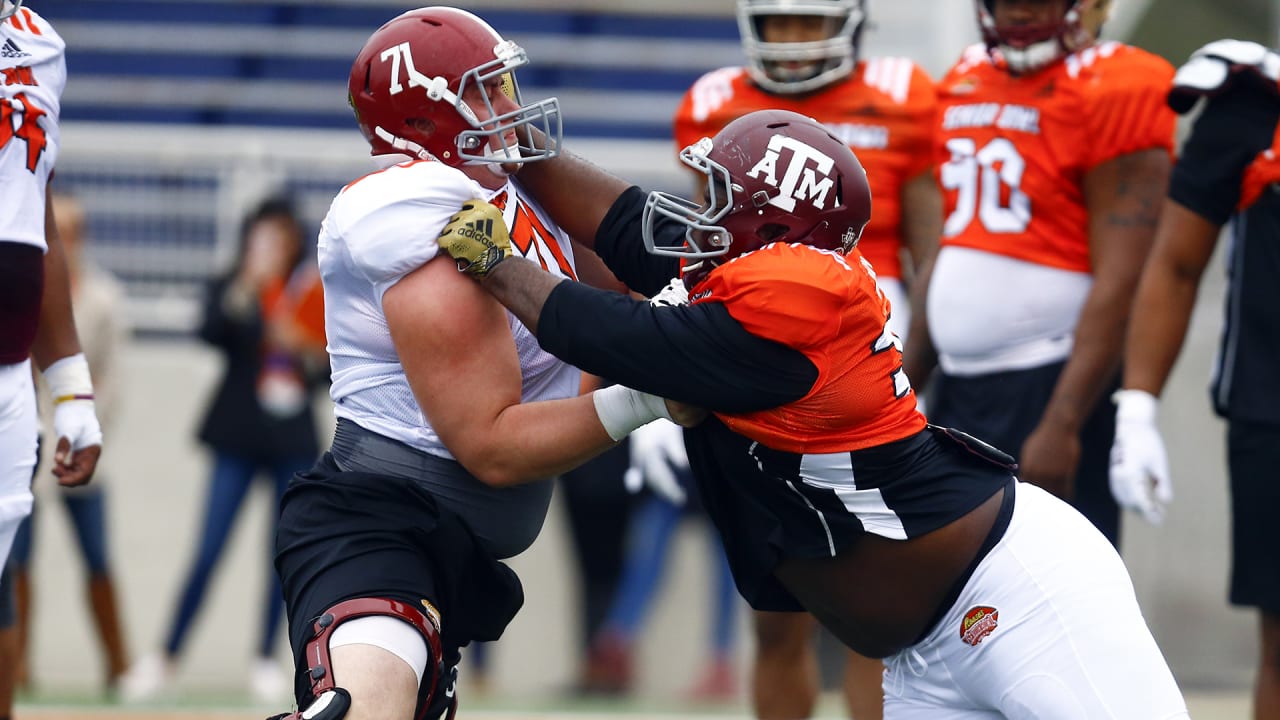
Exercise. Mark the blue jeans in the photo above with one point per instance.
(87, 508)
(651, 528)
(230, 482)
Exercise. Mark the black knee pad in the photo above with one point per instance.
(319, 667)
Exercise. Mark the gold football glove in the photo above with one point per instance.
(476, 237)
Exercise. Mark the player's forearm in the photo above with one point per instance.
(522, 288)
(919, 357)
(1094, 360)
(535, 441)
(56, 336)
(576, 193)
(1166, 296)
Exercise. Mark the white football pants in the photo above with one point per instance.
(18, 429)
(1047, 628)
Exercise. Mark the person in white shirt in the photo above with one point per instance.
(388, 549)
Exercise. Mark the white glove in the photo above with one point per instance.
(673, 295)
(657, 451)
(1139, 464)
(1212, 68)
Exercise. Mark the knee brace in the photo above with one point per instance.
(319, 668)
(332, 705)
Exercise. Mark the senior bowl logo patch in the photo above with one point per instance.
(978, 623)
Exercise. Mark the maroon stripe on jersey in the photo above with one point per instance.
(21, 288)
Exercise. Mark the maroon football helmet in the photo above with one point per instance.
(772, 176)
(1027, 48)
(422, 65)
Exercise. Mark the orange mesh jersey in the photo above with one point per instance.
(884, 110)
(1263, 171)
(828, 307)
(1013, 151)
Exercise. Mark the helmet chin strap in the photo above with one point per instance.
(404, 145)
(1032, 57)
(502, 159)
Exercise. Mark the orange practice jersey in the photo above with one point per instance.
(1013, 151)
(1262, 172)
(827, 306)
(884, 110)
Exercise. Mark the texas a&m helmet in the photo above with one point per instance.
(771, 176)
(423, 66)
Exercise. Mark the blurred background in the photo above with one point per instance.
(179, 116)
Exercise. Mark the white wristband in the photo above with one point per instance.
(622, 409)
(1135, 406)
(69, 379)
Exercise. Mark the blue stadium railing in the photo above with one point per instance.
(286, 63)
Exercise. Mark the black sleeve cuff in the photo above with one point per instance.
(620, 244)
(1230, 132)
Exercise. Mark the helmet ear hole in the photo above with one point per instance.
(422, 125)
(769, 232)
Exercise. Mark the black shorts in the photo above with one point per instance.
(765, 514)
(345, 535)
(1253, 452)
(1003, 408)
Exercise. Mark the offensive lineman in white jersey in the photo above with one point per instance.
(388, 550)
(35, 298)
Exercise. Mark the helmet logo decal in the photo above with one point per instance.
(416, 79)
(800, 179)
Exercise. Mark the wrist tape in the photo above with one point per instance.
(622, 409)
(69, 379)
(1135, 406)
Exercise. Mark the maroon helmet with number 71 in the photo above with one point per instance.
(422, 66)
(771, 176)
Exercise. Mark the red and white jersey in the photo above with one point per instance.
(34, 72)
(378, 230)
(1012, 153)
(829, 307)
(884, 110)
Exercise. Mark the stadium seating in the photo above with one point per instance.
(286, 63)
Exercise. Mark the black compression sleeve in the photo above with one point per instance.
(697, 354)
(620, 245)
(1230, 132)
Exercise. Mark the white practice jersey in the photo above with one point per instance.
(379, 229)
(34, 71)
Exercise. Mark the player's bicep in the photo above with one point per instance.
(1124, 197)
(457, 353)
(921, 216)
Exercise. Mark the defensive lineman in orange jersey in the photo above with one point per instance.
(1054, 152)
(803, 57)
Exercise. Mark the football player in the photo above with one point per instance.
(1054, 150)
(831, 492)
(388, 549)
(35, 297)
(804, 57)
(1229, 170)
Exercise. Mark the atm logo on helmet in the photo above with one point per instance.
(806, 177)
